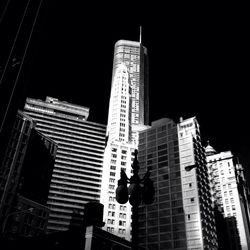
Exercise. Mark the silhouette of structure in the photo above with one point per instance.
(18, 23)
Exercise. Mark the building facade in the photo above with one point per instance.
(181, 215)
(77, 171)
(25, 176)
(230, 192)
(134, 56)
(128, 114)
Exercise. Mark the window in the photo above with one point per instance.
(111, 180)
(123, 208)
(122, 223)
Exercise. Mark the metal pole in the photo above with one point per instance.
(134, 227)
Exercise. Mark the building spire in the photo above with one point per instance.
(140, 33)
(209, 150)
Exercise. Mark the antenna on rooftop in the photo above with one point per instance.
(140, 33)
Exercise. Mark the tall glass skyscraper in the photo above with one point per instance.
(134, 56)
(77, 171)
(128, 114)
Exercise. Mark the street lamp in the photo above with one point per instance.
(135, 194)
(29, 210)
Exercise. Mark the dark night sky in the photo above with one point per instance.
(198, 62)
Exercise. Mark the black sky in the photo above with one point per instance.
(198, 62)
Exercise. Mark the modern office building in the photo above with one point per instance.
(128, 113)
(77, 172)
(181, 217)
(229, 190)
(25, 176)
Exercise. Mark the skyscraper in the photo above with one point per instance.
(181, 215)
(77, 171)
(128, 114)
(25, 175)
(134, 56)
(230, 191)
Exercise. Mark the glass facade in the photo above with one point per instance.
(134, 56)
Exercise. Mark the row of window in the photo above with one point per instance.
(63, 121)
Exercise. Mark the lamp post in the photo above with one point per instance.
(135, 194)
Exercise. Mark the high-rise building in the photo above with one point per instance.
(230, 191)
(181, 215)
(77, 172)
(134, 56)
(25, 175)
(128, 114)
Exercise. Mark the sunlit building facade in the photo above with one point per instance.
(134, 56)
(77, 171)
(229, 191)
(181, 217)
(128, 114)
